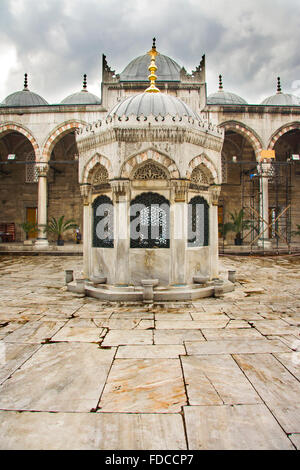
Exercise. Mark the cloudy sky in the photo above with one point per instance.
(250, 42)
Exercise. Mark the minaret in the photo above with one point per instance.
(152, 69)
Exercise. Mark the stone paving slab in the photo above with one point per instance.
(59, 377)
(207, 379)
(189, 325)
(34, 332)
(177, 336)
(288, 416)
(13, 355)
(270, 378)
(235, 346)
(207, 316)
(79, 333)
(275, 327)
(144, 386)
(291, 361)
(242, 427)
(150, 351)
(295, 438)
(229, 333)
(127, 324)
(90, 431)
(123, 337)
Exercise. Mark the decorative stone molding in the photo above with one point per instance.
(42, 169)
(100, 175)
(215, 191)
(280, 132)
(12, 127)
(120, 189)
(201, 176)
(180, 189)
(207, 165)
(153, 156)
(150, 171)
(86, 193)
(57, 134)
(87, 171)
(250, 135)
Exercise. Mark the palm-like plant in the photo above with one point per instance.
(59, 226)
(237, 223)
(28, 227)
(297, 232)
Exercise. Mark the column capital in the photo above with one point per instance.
(180, 188)
(265, 168)
(215, 191)
(42, 169)
(86, 193)
(120, 189)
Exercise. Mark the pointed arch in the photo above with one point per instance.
(281, 131)
(207, 164)
(56, 134)
(94, 161)
(157, 157)
(8, 127)
(245, 131)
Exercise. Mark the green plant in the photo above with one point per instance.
(237, 223)
(297, 232)
(28, 227)
(59, 226)
(224, 229)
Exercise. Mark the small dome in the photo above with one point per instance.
(281, 99)
(224, 97)
(156, 104)
(24, 98)
(82, 97)
(137, 70)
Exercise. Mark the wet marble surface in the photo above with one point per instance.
(135, 376)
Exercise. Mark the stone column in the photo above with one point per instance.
(86, 194)
(42, 170)
(214, 230)
(121, 200)
(178, 231)
(264, 170)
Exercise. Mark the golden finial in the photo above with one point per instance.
(152, 69)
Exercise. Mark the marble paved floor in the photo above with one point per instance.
(222, 373)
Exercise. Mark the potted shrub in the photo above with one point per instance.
(59, 226)
(224, 229)
(28, 227)
(237, 225)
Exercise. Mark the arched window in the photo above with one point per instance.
(149, 221)
(198, 222)
(103, 222)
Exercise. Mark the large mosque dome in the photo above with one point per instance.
(137, 70)
(24, 98)
(156, 104)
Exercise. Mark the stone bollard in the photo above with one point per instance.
(231, 276)
(69, 275)
(80, 287)
(148, 294)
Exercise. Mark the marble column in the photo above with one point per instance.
(121, 200)
(214, 230)
(86, 194)
(264, 170)
(42, 170)
(178, 231)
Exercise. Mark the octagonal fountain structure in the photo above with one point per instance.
(150, 176)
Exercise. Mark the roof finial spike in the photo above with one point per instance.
(220, 83)
(84, 83)
(152, 69)
(25, 82)
(278, 85)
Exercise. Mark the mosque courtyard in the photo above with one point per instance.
(219, 373)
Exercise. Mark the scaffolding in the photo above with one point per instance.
(277, 228)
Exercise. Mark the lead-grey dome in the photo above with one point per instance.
(225, 97)
(282, 99)
(24, 98)
(156, 104)
(82, 97)
(137, 70)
